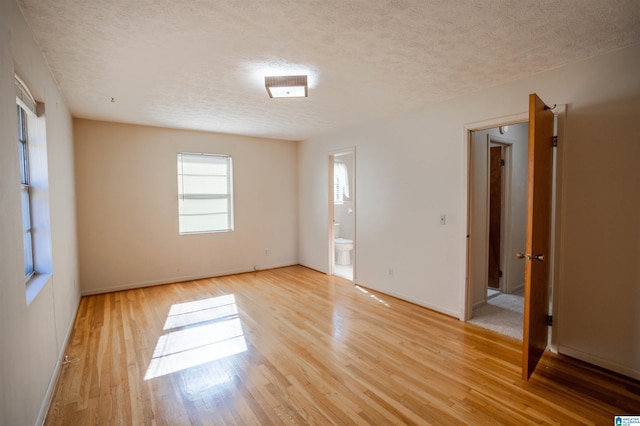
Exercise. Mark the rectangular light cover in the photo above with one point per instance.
(293, 86)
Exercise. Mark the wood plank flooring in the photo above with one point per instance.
(292, 346)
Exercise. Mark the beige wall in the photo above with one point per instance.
(413, 168)
(33, 337)
(599, 291)
(128, 206)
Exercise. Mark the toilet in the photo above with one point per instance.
(342, 247)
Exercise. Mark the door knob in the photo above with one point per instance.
(521, 255)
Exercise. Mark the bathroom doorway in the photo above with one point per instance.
(342, 232)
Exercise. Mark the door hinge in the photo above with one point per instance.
(549, 320)
(555, 141)
(502, 162)
(499, 274)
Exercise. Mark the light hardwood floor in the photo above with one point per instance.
(294, 346)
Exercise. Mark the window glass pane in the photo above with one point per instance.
(212, 166)
(337, 195)
(205, 185)
(21, 127)
(204, 223)
(203, 206)
(26, 210)
(24, 174)
(28, 254)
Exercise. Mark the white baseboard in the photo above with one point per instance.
(176, 279)
(478, 304)
(315, 268)
(48, 396)
(600, 362)
(422, 303)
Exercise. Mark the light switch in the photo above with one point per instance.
(443, 219)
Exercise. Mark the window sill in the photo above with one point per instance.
(35, 285)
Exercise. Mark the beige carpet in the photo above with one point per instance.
(502, 314)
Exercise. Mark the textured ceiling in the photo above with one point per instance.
(198, 64)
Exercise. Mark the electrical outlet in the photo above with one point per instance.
(266, 252)
(391, 272)
(443, 219)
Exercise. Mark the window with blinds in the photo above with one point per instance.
(205, 193)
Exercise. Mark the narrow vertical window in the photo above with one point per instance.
(205, 193)
(26, 192)
(34, 190)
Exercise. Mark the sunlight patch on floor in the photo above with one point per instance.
(203, 331)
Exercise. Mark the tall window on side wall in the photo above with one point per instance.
(34, 190)
(34, 187)
(26, 193)
(205, 193)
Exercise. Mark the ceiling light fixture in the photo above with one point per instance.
(291, 86)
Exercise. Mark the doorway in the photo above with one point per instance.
(539, 254)
(342, 211)
(498, 166)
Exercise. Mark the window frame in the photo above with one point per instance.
(34, 170)
(25, 188)
(228, 196)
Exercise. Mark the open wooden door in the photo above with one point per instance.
(536, 300)
(495, 215)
